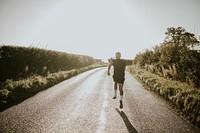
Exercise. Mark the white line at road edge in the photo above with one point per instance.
(102, 118)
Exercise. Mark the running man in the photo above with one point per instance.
(118, 76)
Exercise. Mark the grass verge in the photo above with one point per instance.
(181, 96)
(14, 92)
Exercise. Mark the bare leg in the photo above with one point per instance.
(115, 90)
(121, 90)
(121, 95)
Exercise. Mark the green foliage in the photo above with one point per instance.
(182, 96)
(15, 92)
(4, 94)
(21, 62)
(26, 71)
(179, 51)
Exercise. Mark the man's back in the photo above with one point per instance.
(119, 67)
(118, 77)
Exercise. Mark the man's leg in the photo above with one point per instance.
(121, 94)
(115, 90)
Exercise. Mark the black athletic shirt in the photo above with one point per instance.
(119, 67)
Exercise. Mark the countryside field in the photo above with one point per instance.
(99, 66)
(183, 97)
(26, 71)
(171, 69)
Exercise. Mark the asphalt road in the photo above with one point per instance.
(84, 104)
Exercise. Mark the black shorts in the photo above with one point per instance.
(118, 79)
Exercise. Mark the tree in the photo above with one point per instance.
(180, 48)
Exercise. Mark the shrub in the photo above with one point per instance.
(181, 95)
(176, 58)
(22, 62)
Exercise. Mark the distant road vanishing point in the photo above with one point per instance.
(84, 104)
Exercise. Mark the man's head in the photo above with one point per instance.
(118, 55)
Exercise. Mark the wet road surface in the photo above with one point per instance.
(84, 104)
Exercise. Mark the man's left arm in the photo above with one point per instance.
(109, 66)
(124, 65)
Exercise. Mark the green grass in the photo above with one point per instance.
(14, 92)
(182, 96)
(27, 70)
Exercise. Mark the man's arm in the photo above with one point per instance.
(109, 66)
(124, 66)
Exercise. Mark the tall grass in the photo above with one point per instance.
(26, 71)
(182, 96)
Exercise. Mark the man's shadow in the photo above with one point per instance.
(128, 124)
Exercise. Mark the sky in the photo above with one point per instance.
(98, 28)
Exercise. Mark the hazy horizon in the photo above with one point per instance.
(95, 28)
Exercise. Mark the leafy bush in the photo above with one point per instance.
(22, 62)
(26, 71)
(15, 92)
(177, 57)
(182, 96)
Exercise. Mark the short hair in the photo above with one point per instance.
(118, 53)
